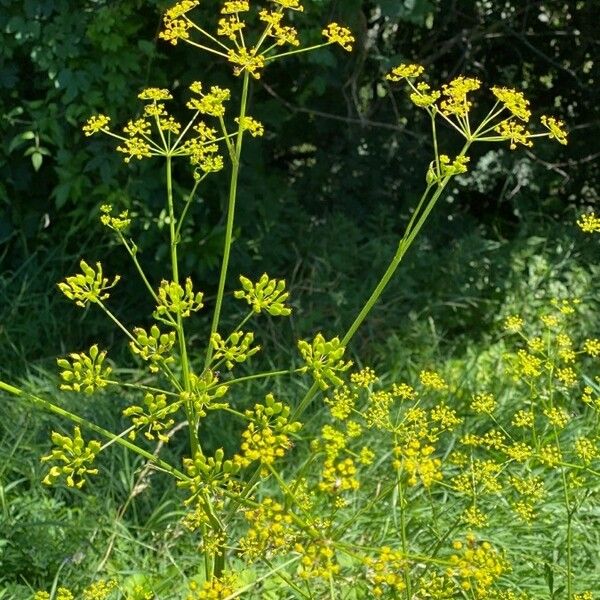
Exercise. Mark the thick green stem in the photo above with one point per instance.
(233, 187)
(57, 410)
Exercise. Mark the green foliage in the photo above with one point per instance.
(382, 496)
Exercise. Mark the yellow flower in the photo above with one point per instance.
(364, 378)
(556, 129)
(523, 418)
(291, 4)
(181, 8)
(270, 530)
(430, 379)
(567, 376)
(424, 96)
(483, 403)
(513, 323)
(215, 589)
(155, 94)
(176, 29)
(99, 590)
(252, 126)
(589, 223)
(335, 33)
(455, 93)
(403, 391)
(586, 450)
(211, 103)
(285, 35)
(557, 417)
(341, 403)
(135, 148)
(515, 133)
(474, 517)
(229, 27)
(137, 127)
(155, 110)
(170, 125)
(404, 72)
(95, 124)
(513, 101)
(234, 7)
(448, 167)
(247, 59)
(592, 347)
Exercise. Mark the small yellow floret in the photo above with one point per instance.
(404, 72)
(252, 126)
(95, 124)
(513, 323)
(155, 94)
(592, 347)
(247, 59)
(515, 133)
(514, 101)
(291, 4)
(235, 6)
(336, 34)
(589, 223)
(556, 129)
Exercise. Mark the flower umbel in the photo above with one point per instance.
(84, 372)
(324, 360)
(90, 286)
(76, 457)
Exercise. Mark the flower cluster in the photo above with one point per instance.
(155, 417)
(386, 572)
(117, 223)
(270, 532)
(157, 133)
(266, 294)
(267, 436)
(175, 300)
(235, 41)
(154, 346)
(453, 103)
(589, 223)
(324, 360)
(84, 372)
(87, 287)
(218, 588)
(205, 392)
(207, 473)
(478, 565)
(75, 458)
(235, 349)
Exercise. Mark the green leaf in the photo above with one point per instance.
(36, 160)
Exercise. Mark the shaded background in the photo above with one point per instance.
(324, 195)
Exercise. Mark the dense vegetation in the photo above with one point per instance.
(324, 197)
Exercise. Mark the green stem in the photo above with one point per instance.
(194, 445)
(265, 375)
(235, 172)
(57, 410)
(115, 320)
(414, 227)
(132, 253)
(186, 207)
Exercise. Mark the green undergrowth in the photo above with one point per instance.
(130, 525)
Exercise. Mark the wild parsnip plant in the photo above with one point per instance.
(418, 480)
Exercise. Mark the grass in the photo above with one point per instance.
(130, 524)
